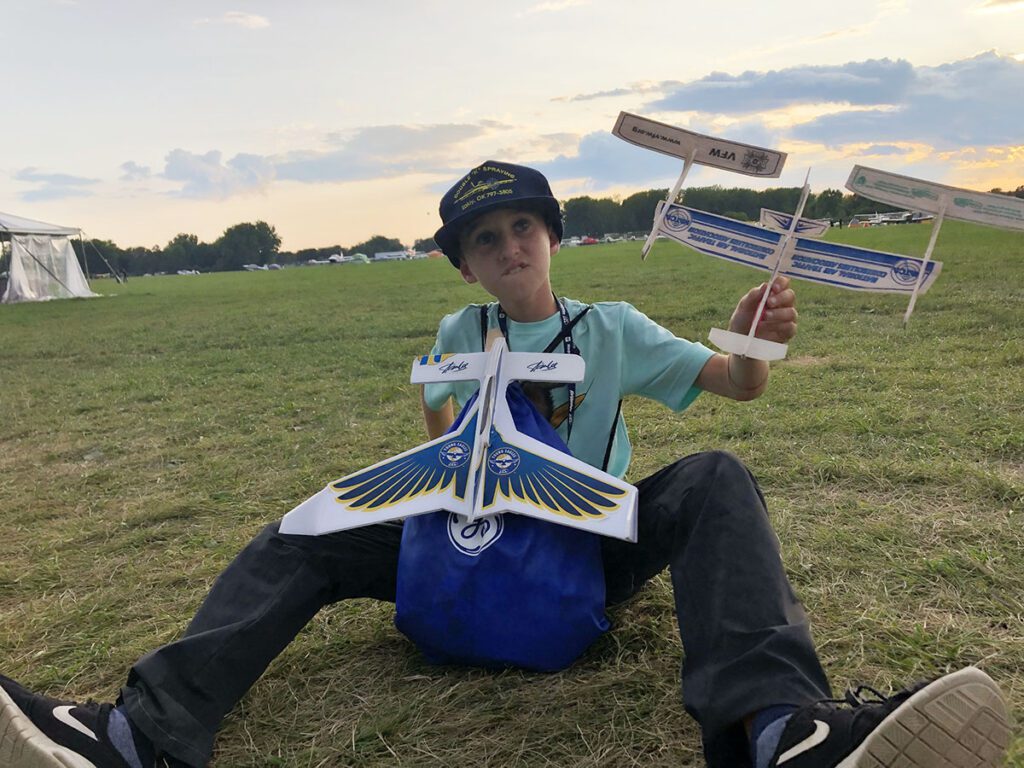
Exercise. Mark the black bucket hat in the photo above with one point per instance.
(492, 185)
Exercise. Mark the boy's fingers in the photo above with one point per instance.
(780, 315)
(781, 331)
(753, 296)
(784, 298)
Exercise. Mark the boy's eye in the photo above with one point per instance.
(484, 238)
(522, 224)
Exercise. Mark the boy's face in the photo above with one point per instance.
(508, 252)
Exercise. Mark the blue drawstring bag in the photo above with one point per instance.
(501, 591)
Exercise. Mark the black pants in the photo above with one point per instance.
(745, 638)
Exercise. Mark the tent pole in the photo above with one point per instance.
(85, 260)
(112, 270)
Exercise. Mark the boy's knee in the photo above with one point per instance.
(725, 464)
(718, 479)
(712, 466)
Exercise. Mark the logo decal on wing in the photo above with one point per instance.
(503, 461)
(454, 453)
(546, 484)
(431, 469)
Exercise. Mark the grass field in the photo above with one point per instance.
(145, 437)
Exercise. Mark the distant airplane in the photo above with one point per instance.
(485, 467)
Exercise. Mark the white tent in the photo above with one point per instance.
(43, 264)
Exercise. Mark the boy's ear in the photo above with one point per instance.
(556, 244)
(467, 273)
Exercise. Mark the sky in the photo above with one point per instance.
(337, 120)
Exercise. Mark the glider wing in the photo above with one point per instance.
(435, 475)
(707, 150)
(919, 195)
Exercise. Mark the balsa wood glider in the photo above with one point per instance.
(945, 202)
(695, 148)
(484, 467)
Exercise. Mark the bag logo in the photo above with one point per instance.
(471, 537)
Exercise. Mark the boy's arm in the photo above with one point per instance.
(744, 378)
(437, 422)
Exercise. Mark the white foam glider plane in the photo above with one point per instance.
(485, 467)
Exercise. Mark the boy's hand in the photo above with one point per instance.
(778, 322)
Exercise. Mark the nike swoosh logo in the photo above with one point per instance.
(63, 713)
(821, 731)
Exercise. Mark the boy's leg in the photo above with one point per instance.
(746, 639)
(178, 694)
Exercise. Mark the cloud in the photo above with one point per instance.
(238, 19)
(607, 160)
(132, 171)
(205, 176)
(56, 179)
(379, 151)
(371, 152)
(963, 103)
(886, 149)
(53, 186)
(970, 101)
(631, 90)
(877, 81)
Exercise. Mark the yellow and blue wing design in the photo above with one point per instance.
(475, 472)
(527, 477)
(430, 469)
(430, 477)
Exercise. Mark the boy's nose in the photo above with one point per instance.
(504, 249)
(509, 247)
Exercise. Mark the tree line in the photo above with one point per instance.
(247, 243)
(259, 243)
(601, 216)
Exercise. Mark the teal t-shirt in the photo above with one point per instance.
(626, 353)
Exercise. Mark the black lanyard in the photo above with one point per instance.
(568, 346)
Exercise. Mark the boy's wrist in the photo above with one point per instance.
(752, 375)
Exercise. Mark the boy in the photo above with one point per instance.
(751, 677)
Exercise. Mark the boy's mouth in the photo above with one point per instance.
(514, 269)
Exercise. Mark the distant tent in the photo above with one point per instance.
(43, 264)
